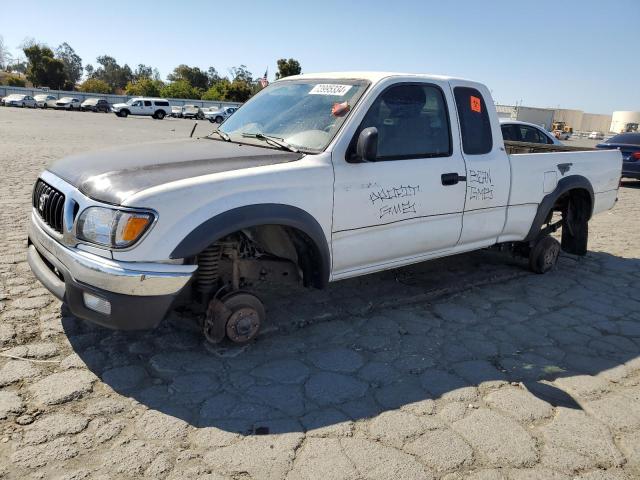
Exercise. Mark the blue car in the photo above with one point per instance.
(629, 145)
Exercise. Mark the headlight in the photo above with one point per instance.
(112, 228)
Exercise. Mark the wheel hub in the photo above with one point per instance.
(243, 325)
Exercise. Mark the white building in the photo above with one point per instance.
(622, 120)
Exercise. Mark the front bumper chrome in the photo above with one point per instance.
(128, 278)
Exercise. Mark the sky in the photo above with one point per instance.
(563, 53)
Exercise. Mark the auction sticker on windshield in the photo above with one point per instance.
(330, 89)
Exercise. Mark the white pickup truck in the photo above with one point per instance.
(317, 178)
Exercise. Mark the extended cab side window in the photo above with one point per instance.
(412, 122)
(475, 126)
(147, 103)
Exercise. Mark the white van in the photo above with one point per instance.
(154, 107)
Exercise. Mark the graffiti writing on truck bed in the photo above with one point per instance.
(394, 201)
(480, 185)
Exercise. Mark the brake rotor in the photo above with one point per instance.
(215, 320)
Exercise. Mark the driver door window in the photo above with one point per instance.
(411, 121)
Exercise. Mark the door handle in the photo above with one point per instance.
(452, 178)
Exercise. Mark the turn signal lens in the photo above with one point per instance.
(130, 227)
(134, 228)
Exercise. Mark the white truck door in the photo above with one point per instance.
(148, 107)
(488, 167)
(409, 202)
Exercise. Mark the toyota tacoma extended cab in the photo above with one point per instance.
(317, 178)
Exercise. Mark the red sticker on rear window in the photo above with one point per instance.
(476, 105)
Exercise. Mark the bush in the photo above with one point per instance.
(144, 87)
(95, 85)
(15, 81)
(180, 89)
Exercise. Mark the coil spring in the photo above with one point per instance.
(208, 268)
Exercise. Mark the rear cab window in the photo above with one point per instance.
(475, 126)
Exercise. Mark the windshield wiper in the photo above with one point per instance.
(224, 136)
(277, 141)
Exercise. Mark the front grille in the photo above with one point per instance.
(49, 203)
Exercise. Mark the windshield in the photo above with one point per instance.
(306, 114)
(132, 100)
(66, 99)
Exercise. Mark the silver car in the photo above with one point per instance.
(220, 115)
(42, 99)
(19, 100)
(65, 103)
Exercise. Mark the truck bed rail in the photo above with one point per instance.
(527, 147)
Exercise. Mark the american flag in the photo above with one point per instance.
(263, 81)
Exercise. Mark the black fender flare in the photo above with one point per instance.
(565, 184)
(255, 215)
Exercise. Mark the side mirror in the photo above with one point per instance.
(367, 147)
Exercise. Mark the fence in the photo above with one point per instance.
(111, 98)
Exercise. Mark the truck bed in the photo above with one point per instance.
(537, 169)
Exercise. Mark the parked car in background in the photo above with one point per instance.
(65, 103)
(176, 111)
(43, 98)
(518, 131)
(157, 108)
(629, 146)
(95, 105)
(596, 136)
(19, 100)
(192, 111)
(219, 115)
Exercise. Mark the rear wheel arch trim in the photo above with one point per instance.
(248, 216)
(566, 184)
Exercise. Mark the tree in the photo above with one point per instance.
(214, 77)
(95, 85)
(144, 87)
(217, 91)
(193, 75)
(110, 72)
(19, 65)
(43, 69)
(241, 74)
(72, 64)
(286, 68)
(89, 69)
(239, 91)
(145, 71)
(5, 56)
(180, 89)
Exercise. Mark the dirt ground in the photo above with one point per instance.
(463, 368)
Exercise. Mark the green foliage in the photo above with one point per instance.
(144, 87)
(218, 91)
(72, 65)
(241, 74)
(145, 71)
(116, 76)
(180, 89)
(95, 85)
(43, 69)
(192, 75)
(287, 68)
(239, 91)
(15, 81)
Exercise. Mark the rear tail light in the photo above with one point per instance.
(636, 155)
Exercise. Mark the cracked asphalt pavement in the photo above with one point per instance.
(463, 368)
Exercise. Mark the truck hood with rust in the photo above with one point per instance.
(113, 175)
